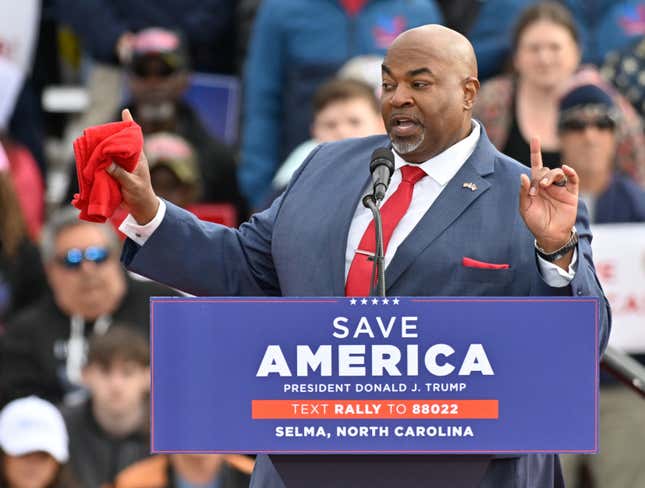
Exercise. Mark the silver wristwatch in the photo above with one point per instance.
(558, 253)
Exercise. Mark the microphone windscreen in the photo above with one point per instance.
(382, 156)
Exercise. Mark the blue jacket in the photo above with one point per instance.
(622, 202)
(607, 25)
(206, 24)
(295, 46)
(297, 248)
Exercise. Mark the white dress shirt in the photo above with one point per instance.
(440, 169)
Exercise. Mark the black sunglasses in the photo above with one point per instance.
(162, 64)
(601, 123)
(73, 258)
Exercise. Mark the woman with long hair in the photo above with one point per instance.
(524, 104)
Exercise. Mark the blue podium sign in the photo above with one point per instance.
(374, 375)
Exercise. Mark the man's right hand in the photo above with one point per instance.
(139, 198)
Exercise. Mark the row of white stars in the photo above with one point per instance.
(374, 301)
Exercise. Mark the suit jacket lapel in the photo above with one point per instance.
(450, 204)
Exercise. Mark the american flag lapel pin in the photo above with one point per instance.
(470, 186)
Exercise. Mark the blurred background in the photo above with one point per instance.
(231, 96)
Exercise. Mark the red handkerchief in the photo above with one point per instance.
(473, 263)
(99, 194)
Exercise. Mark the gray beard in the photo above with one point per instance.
(407, 146)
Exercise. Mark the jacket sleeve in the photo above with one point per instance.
(263, 80)
(208, 259)
(585, 282)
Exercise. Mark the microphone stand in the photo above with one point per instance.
(377, 282)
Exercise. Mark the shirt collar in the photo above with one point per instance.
(445, 165)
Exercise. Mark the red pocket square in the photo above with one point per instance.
(473, 263)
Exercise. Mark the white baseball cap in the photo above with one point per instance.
(30, 425)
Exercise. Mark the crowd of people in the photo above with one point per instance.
(74, 354)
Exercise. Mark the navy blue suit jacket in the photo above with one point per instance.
(297, 248)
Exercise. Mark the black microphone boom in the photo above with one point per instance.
(381, 167)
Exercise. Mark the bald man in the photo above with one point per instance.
(461, 197)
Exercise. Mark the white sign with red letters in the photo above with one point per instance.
(619, 255)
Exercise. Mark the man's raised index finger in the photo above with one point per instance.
(536, 154)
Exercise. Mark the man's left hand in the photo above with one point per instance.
(549, 202)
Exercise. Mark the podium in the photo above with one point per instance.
(376, 391)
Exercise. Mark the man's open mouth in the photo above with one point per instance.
(404, 126)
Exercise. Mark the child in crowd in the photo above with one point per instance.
(343, 108)
(109, 431)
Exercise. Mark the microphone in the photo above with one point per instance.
(381, 167)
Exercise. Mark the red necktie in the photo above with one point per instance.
(360, 272)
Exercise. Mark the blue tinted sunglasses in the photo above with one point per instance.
(73, 258)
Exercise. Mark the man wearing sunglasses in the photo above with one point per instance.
(43, 351)
(587, 128)
(158, 78)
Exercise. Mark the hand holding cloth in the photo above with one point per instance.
(99, 194)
